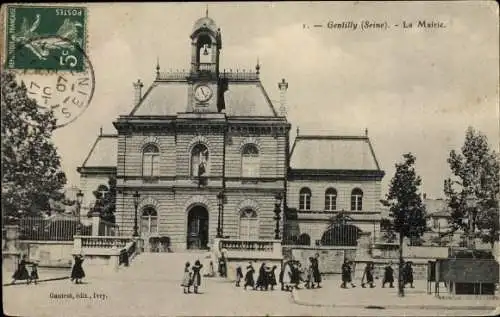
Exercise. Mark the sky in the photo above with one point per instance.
(415, 90)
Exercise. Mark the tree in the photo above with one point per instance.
(31, 169)
(406, 208)
(105, 202)
(475, 177)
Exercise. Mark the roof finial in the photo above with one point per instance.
(297, 131)
(100, 131)
(257, 67)
(157, 67)
(206, 11)
(366, 131)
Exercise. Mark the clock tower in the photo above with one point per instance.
(204, 81)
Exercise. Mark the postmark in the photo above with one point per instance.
(67, 93)
(46, 38)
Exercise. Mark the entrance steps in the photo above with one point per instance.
(161, 266)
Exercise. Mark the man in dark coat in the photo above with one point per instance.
(388, 276)
(316, 272)
(346, 274)
(408, 274)
(249, 281)
(368, 275)
(261, 279)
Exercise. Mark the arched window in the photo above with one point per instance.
(150, 161)
(250, 161)
(304, 239)
(199, 160)
(249, 228)
(331, 199)
(357, 199)
(149, 220)
(305, 199)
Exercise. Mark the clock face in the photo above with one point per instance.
(203, 93)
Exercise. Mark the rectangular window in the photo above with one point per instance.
(250, 166)
(248, 229)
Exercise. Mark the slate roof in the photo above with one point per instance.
(103, 153)
(168, 98)
(313, 152)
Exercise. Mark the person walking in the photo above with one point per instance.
(34, 273)
(316, 272)
(186, 279)
(249, 281)
(408, 274)
(272, 277)
(239, 275)
(347, 274)
(286, 280)
(388, 276)
(310, 274)
(368, 274)
(21, 272)
(196, 276)
(261, 278)
(77, 273)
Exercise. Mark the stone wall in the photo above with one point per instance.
(48, 253)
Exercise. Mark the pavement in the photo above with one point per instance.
(44, 274)
(151, 287)
(332, 295)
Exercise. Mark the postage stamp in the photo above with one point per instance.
(46, 38)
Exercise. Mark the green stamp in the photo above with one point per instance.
(46, 38)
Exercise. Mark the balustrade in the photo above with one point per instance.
(248, 245)
(104, 242)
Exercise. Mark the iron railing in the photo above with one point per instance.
(51, 229)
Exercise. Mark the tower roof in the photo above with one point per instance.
(205, 22)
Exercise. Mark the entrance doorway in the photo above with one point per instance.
(197, 228)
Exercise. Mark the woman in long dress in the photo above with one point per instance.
(249, 281)
(262, 276)
(315, 269)
(287, 276)
(186, 279)
(196, 277)
(77, 272)
(21, 272)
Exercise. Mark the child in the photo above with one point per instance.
(34, 273)
(186, 280)
(239, 275)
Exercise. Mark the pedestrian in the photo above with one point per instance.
(77, 272)
(316, 272)
(249, 281)
(296, 274)
(34, 273)
(286, 279)
(272, 277)
(368, 274)
(222, 266)
(346, 274)
(21, 272)
(186, 279)
(351, 272)
(196, 276)
(310, 274)
(408, 274)
(261, 278)
(239, 275)
(388, 276)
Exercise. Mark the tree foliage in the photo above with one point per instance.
(31, 170)
(405, 204)
(105, 202)
(475, 174)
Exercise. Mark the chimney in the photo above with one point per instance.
(137, 92)
(283, 86)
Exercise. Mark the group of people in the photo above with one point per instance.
(292, 274)
(192, 277)
(22, 274)
(368, 276)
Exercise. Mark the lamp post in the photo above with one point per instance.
(79, 199)
(471, 203)
(220, 218)
(136, 205)
(277, 218)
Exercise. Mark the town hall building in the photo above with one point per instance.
(208, 155)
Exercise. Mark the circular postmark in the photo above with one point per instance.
(57, 87)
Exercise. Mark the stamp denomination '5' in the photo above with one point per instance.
(44, 38)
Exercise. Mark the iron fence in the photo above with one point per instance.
(51, 229)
